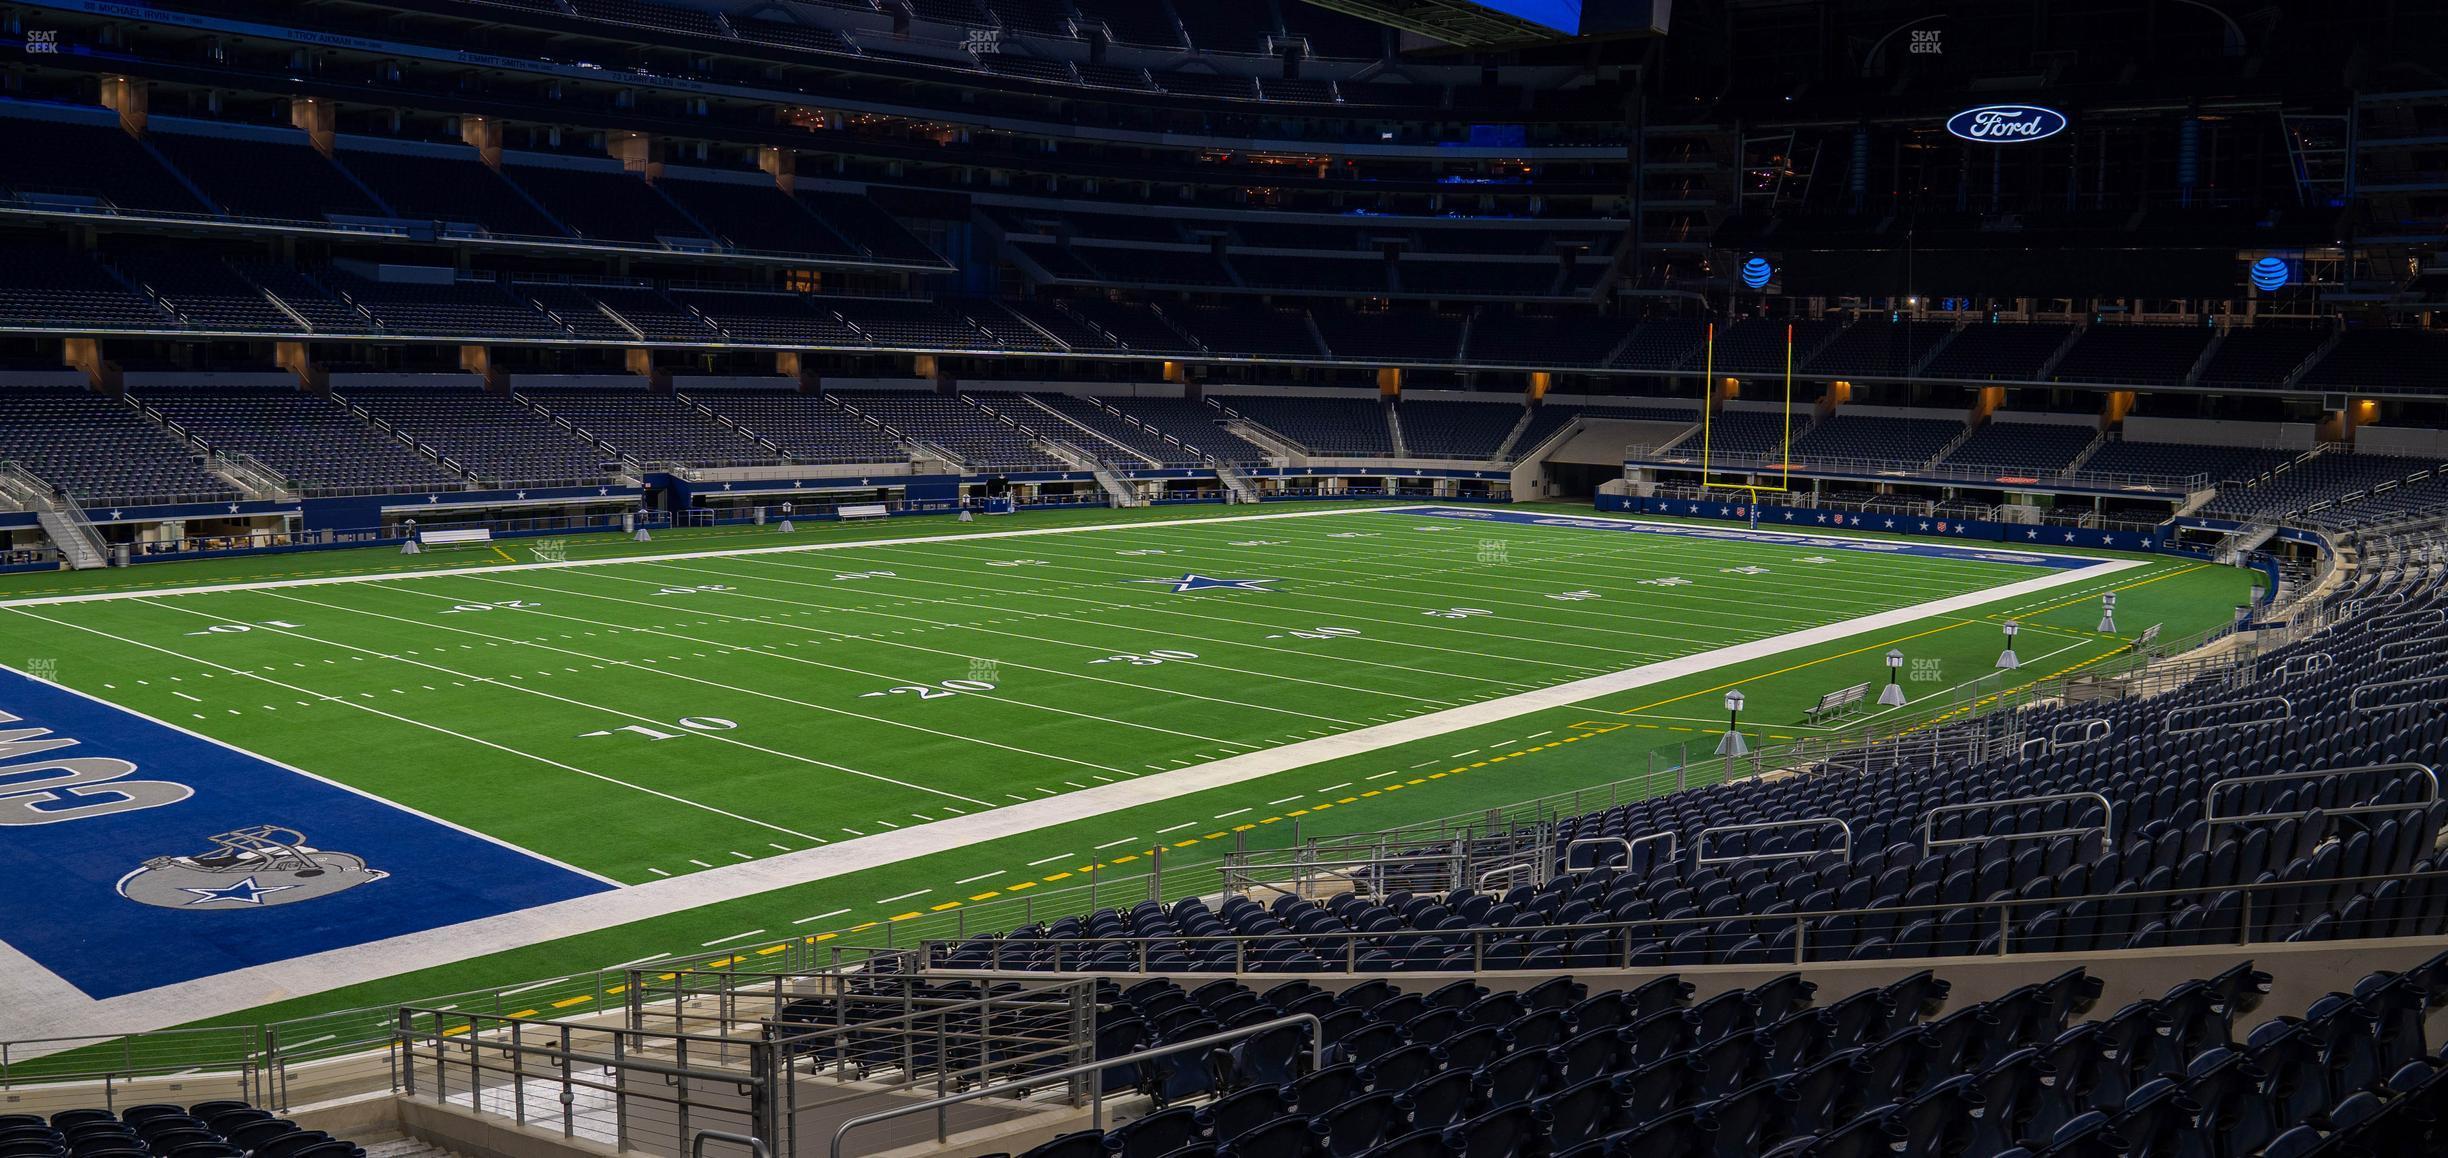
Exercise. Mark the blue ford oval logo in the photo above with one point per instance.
(2006, 124)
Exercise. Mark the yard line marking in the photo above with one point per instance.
(611, 561)
(905, 896)
(1273, 803)
(246, 988)
(820, 916)
(732, 937)
(1052, 859)
(1334, 787)
(1176, 828)
(287, 767)
(737, 648)
(981, 876)
(639, 961)
(188, 698)
(1383, 775)
(530, 988)
(719, 738)
(1228, 815)
(1111, 843)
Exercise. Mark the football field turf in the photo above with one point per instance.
(696, 750)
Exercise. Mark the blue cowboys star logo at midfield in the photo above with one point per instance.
(245, 892)
(1197, 582)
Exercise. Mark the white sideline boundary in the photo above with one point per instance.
(38, 1004)
(673, 556)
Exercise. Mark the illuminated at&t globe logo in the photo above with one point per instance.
(2270, 274)
(1755, 272)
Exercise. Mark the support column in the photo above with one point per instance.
(85, 354)
(298, 358)
(1178, 372)
(131, 99)
(794, 365)
(1986, 402)
(635, 152)
(1541, 381)
(1389, 382)
(782, 163)
(485, 136)
(640, 361)
(2115, 407)
(478, 360)
(318, 117)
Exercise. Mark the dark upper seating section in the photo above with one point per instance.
(1346, 426)
(456, 188)
(98, 450)
(2027, 449)
(1743, 435)
(2139, 355)
(1995, 351)
(2179, 459)
(982, 437)
(2394, 359)
(1870, 438)
(111, 169)
(312, 442)
(49, 285)
(2315, 484)
(251, 178)
(808, 427)
(1131, 434)
(491, 436)
(1880, 348)
(2259, 358)
(1503, 336)
(1195, 423)
(652, 428)
(1446, 428)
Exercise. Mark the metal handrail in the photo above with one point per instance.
(2105, 828)
(932, 950)
(2169, 722)
(1096, 1112)
(2354, 698)
(1588, 841)
(2210, 813)
(755, 1145)
(1700, 840)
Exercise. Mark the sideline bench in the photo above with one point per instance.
(1837, 703)
(861, 511)
(471, 537)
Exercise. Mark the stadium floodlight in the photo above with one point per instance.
(1893, 697)
(2006, 658)
(1733, 744)
(2108, 614)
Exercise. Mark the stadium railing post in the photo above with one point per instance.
(1801, 933)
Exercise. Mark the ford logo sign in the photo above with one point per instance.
(2006, 124)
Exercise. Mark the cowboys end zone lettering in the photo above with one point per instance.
(2006, 124)
(139, 855)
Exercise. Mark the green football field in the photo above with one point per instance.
(980, 716)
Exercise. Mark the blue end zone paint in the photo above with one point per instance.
(1780, 538)
(62, 904)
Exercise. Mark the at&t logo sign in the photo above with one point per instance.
(2006, 124)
